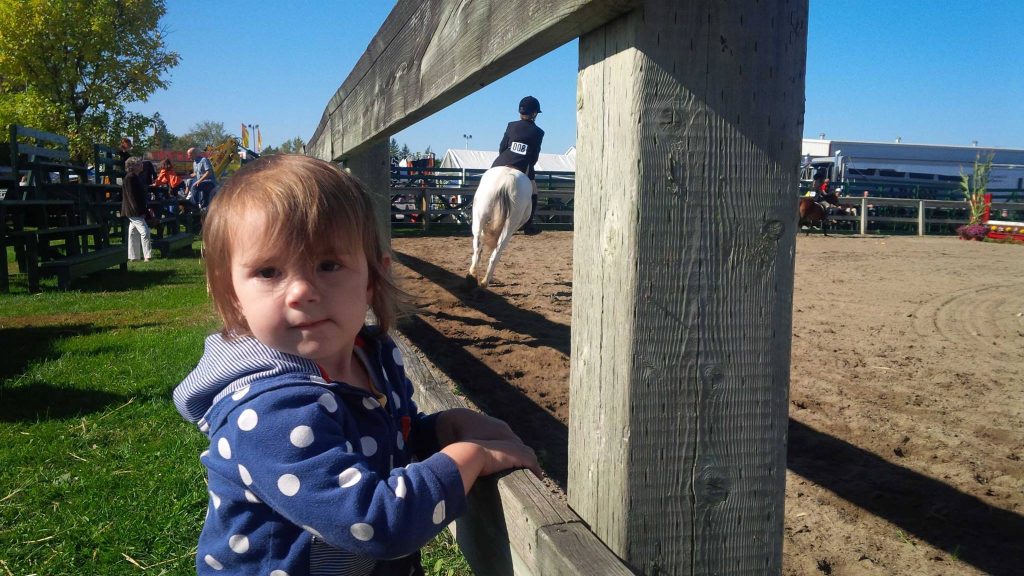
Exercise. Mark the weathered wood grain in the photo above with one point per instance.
(513, 521)
(690, 118)
(431, 53)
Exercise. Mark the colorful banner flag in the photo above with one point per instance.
(259, 139)
(245, 137)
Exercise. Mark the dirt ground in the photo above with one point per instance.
(906, 397)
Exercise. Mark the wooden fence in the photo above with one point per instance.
(689, 119)
(924, 216)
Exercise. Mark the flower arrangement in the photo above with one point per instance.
(972, 231)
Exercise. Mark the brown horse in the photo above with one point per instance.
(812, 213)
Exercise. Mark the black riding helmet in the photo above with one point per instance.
(529, 105)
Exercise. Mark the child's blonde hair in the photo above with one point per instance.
(307, 204)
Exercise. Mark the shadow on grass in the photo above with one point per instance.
(41, 401)
(25, 345)
(507, 316)
(113, 280)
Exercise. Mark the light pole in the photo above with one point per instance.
(468, 137)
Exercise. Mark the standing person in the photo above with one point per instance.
(520, 149)
(203, 180)
(124, 149)
(318, 456)
(134, 188)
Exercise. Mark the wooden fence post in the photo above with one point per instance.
(373, 167)
(689, 123)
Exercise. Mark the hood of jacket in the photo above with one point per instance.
(230, 365)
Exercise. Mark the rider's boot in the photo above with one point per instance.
(530, 229)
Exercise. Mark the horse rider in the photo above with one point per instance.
(827, 199)
(520, 149)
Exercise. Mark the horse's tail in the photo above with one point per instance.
(506, 192)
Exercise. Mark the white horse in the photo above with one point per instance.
(501, 206)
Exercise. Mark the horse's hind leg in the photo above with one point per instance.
(506, 234)
(477, 249)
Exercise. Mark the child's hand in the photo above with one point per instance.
(508, 455)
(460, 424)
(475, 459)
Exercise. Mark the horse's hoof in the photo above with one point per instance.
(471, 282)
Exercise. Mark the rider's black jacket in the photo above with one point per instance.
(520, 147)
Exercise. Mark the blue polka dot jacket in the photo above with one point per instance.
(311, 476)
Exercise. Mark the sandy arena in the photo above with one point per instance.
(906, 397)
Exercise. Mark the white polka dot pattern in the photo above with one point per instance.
(243, 472)
(216, 500)
(399, 440)
(369, 445)
(213, 563)
(438, 513)
(288, 484)
(278, 573)
(240, 393)
(396, 400)
(400, 488)
(370, 403)
(362, 532)
(239, 544)
(313, 531)
(204, 454)
(348, 447)
(301, 436)
(328, 401)
(252, 497)
(248, 419)
(224, 448)
(349, 477)
(397, 356)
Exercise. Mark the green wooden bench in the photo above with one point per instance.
(108, 171)
(69, 267)
(78, 241)
(170, 231)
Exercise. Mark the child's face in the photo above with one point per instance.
(313, 310)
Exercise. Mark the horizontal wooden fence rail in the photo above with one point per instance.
(514, 524)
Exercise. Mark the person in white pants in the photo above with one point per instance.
(133, 207)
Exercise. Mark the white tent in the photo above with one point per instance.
(482, 160)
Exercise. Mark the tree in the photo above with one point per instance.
(394, 150)
(161, 138)
(203, 134)
(405, 152)
(293, 146)
(71, 66)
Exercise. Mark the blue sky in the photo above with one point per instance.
(928, 71)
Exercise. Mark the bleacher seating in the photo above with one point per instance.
(54, 222)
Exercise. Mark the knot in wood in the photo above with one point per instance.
(712, 375)
(772, 229)
(713, 485)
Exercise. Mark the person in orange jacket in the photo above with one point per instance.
(168, 177)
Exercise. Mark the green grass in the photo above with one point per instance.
(98, 472)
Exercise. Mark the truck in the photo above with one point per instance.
(898, 170)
